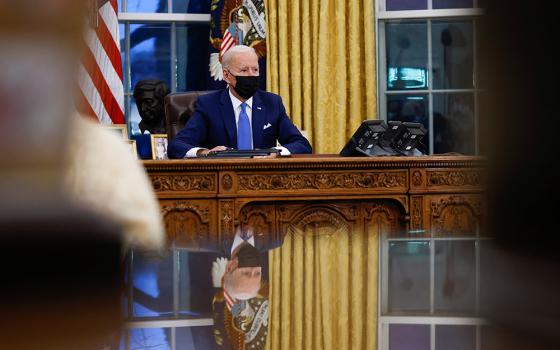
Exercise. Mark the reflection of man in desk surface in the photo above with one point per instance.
(240, 306)
(240, 117)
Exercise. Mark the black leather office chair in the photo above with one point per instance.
(179, 107)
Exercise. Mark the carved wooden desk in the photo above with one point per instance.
(203, 200)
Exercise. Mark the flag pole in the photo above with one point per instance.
(93, 12)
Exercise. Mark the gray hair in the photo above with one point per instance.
(226, 58)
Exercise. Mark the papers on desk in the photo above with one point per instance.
(234, 153)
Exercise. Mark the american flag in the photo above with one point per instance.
(101, 78)
(229, 40)
(230, 301)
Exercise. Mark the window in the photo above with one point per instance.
(429, 283)
(427, 69)
(168, 300)
(166, 40)
(430, 290)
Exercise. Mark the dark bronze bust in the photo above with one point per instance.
(149, 95)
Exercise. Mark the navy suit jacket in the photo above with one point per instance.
(213, 124)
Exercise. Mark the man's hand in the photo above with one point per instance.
(204, 151)
(218, 271)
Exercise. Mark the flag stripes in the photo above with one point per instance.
(101, 77)
(229, 300)
(93, 99)
(227, 43)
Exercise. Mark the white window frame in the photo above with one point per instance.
(128, 18)
(171, 323)
(385, 319)
(432, 322)
(381, 17)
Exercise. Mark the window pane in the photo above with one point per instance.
(484, 71)
(149, 6)
(396, 5)
(455, 277)
(191, 6)
(150, 52)
(483, 127)
(454, 123)
(455, 337)
(409, 337)
(122, 34)
(487, 259)
(153, 286)
(407, 55)
(150, 338)
(452, 4)
(180, 6)
(192, 57)
(123, 341)
(195, 338)
(452, 55)
(195, 283)
(409, 276)
(134, 118)
(410, 108)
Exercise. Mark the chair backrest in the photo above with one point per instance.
(179, 107)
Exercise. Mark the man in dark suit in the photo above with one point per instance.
(240, 117)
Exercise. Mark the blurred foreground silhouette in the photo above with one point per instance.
(60, 260)
(520, 72)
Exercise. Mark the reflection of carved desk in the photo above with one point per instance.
(203, 200)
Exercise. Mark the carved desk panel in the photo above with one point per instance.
(451, 180)
(204, 199)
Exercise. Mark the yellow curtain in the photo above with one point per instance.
(321, 60)
(323, 288)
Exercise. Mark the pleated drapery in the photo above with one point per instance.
(321, 60)
(323, 280)
(323, 290)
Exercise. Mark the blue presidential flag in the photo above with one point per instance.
(235, 22)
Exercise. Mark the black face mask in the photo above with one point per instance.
(246, 86)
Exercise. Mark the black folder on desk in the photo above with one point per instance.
(236, 153)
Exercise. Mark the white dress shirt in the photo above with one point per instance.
(236, 103)
(238, 240)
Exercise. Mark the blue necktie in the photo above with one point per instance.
(243, 129)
